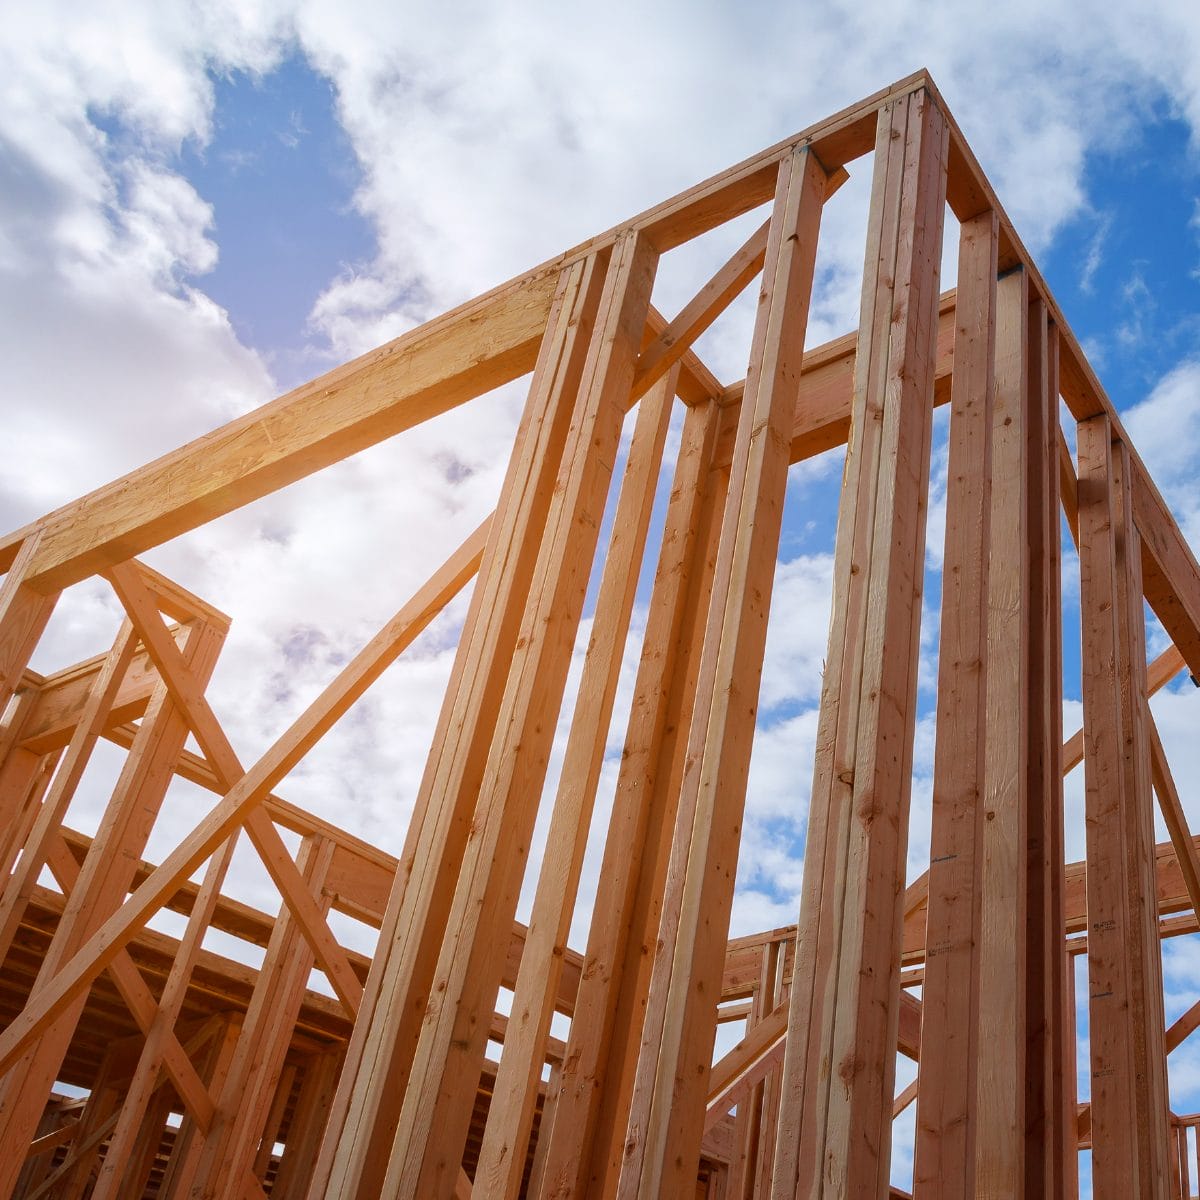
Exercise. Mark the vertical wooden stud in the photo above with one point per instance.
(366, 1107)
(944, 1160)
(671, 1087)
(586, 1131)
(501, 1164)
(434, 1119)
(835, 1114)
(1127, 1157)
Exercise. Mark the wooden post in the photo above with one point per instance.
(944, 1160)
(839, 1068)
(1146, 998)
(366, 1108)
(189, 1139)
(138, 1162)
(1047, 1163)
(308, 1121)
(1000, 1088)
(1127, 1085)
(433, 1124)
(501, 1165)
(244, 1103)
(270, 1131)
(586, 1130)
(141, 1087)
(761, 1168)
(671, 1086)
(1070, 1102)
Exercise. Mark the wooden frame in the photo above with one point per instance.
(386, 1087)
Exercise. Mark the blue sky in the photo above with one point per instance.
(199, 210)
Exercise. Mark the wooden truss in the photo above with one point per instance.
(387, 1088)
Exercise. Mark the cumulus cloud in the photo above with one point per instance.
(1165, 427)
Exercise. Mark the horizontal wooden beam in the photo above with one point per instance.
(469, 351)
(59, 700)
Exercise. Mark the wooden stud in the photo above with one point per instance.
(586, 1132)
(1000, 1097)
(1049, 1096)
(835, 1124)
(1146, 994)
(307, 1124)
(666, 1115)
(366, 1109)
(944, 1160)
(433, 1122)
(137, 1096)
(244, 1105)
(1123, 1097)
(501, 1163)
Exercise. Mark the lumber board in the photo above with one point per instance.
(141, 1086)
(1000, 1099)
(1119, 1093)
(1049, 1105)
(586, 1132)
(944, 1158)
(501, 1164)
(436, 1113)
(1152, 1107)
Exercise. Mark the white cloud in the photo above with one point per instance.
(1095, 251)
(1165, 428)
(797, 631)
